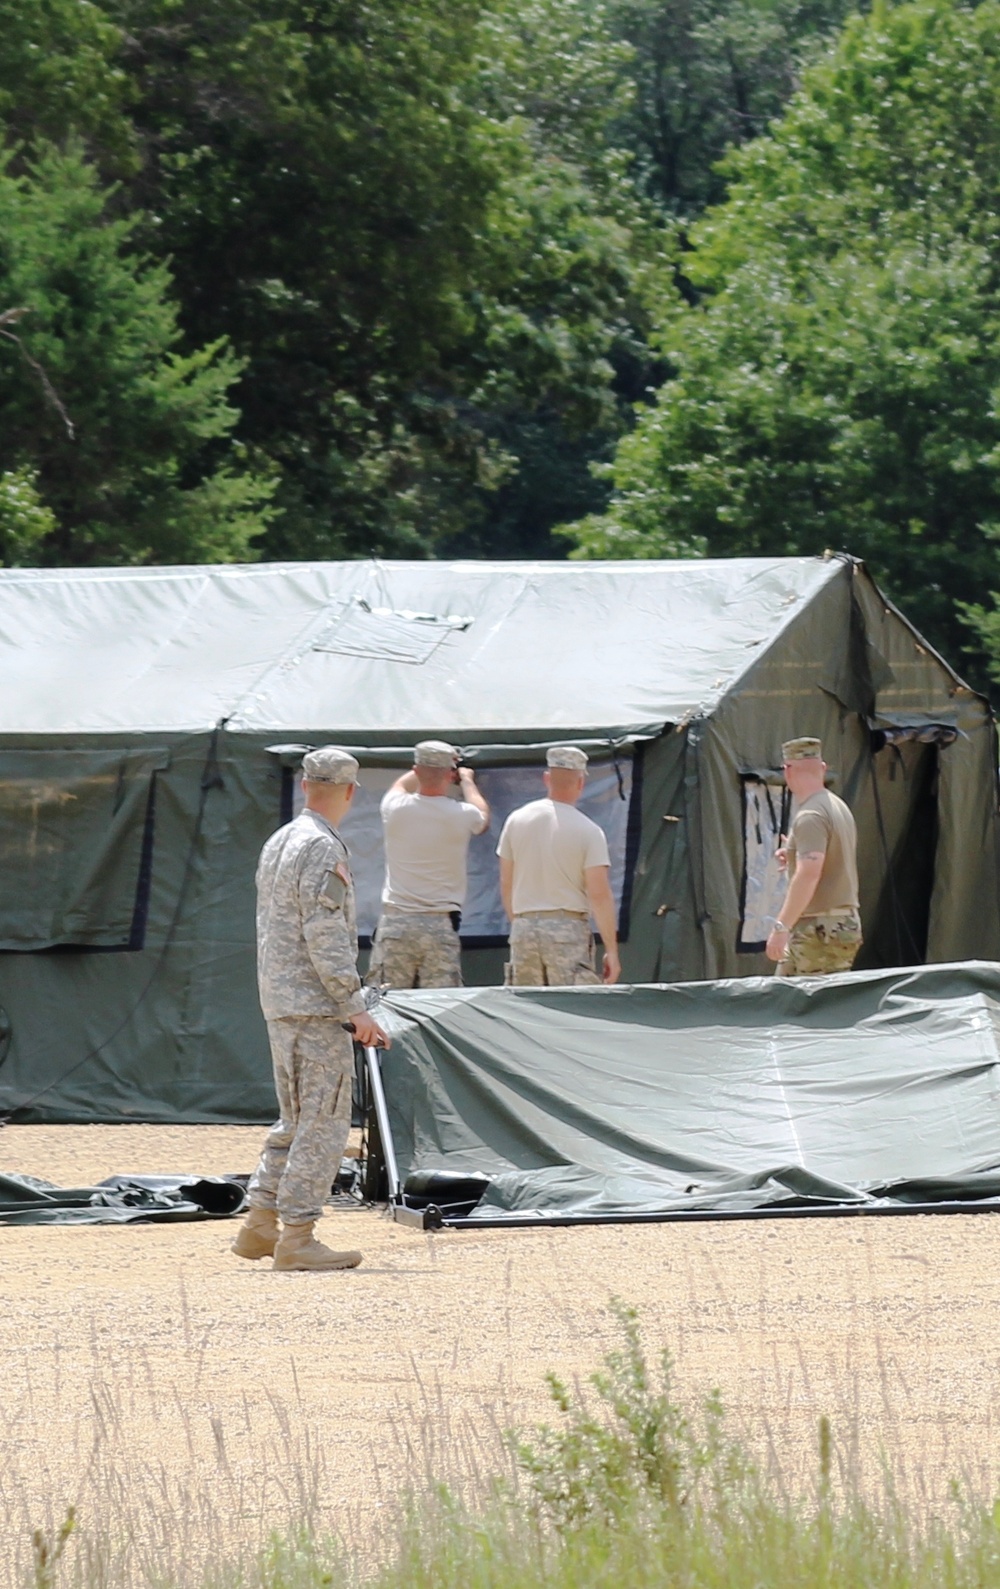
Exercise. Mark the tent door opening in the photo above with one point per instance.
(903, 791)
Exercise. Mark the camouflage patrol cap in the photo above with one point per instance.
(434, 753)
(567, 756)
(801, 749)
(329, 765)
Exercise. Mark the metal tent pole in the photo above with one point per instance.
(382, 1116)
(397, 1198)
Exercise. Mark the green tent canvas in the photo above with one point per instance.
(870, 1091)
(152, 722)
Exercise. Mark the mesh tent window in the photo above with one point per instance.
(765, 818)
(76, 834)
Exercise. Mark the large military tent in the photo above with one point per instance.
(152, 720)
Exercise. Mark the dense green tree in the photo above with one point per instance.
(417, 228)
(550, 356)
(25, 521)
(417, 259)
(639, 97)
(837, 387)
(708, 75)
(575, 256)
(62, 73)
(116, 445)
(322, 188)
(561, 69)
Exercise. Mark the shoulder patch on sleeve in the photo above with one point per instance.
(334, 890)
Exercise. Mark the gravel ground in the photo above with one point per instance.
(148, 1371)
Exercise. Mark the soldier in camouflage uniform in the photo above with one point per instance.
(555, 874)
(819, 928)
(426, 838)
(307, 970)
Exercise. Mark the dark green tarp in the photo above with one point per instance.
(120, 1200)
(857, 1089)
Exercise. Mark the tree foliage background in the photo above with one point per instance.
(300, 278)
(837, 381)
(331, 277)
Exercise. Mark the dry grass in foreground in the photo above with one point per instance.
(625, 1489)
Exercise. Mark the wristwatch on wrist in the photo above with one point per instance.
(779, 926)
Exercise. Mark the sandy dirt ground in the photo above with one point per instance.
(145, 1366)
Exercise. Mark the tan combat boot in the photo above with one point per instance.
(257, 1237)
(298, 1249)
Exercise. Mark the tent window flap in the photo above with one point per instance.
(75, 843)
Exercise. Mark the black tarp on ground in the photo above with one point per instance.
(862, 1088)
(119, 1200)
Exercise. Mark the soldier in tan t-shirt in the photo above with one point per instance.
(555, 874)
(819, 929)
(426, 838)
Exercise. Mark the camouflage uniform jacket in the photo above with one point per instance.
(307, 943)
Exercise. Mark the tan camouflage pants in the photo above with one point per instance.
(313, 1070)
(820, 944)
(415, 951)
(551, 949)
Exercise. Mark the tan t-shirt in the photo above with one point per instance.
(823, 823)
(426, 844)
(551, 844)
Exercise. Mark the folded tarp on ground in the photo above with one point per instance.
(120, 1200)
(868, 1088)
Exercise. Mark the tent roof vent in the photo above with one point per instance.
(386, 634)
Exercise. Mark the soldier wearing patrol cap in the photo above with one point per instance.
(426, 838)
(819, 927)
(554, 875)
(307, 972)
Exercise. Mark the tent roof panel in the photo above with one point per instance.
(368, 648)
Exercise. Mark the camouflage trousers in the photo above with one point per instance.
(414, 950)
(551, 948)
(313, 1072)
(820, 944)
